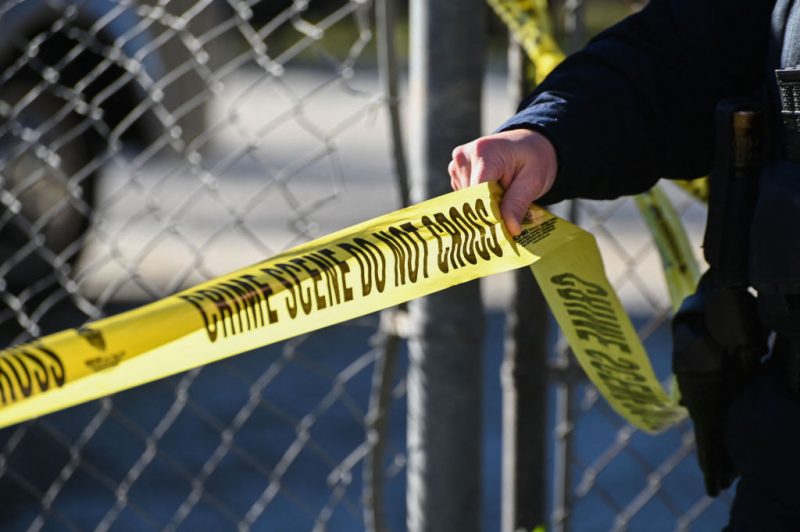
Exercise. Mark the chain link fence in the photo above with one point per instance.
(148, 146)
(145, 147)
(613, 476)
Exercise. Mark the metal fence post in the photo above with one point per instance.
(524, 378)
(563, 491)
(444, 381)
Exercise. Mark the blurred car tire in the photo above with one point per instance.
(46, 185)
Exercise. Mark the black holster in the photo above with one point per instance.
(718, 338)
(717, 344)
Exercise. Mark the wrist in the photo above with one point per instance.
(548, 161)
(536, 155)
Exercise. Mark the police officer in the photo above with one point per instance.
(639, 103)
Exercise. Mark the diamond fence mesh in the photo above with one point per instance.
(615, 477)
(147, 146)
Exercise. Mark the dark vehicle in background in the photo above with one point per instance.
(79, 82)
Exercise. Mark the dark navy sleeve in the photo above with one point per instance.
(638, 102)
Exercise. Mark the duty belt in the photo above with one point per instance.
(789, 86)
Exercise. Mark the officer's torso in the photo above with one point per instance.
(775, 231)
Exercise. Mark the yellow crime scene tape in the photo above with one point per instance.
(681, 271)
(529, 23)
(697, 188)
(397, 257)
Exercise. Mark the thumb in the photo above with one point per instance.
(516, 202)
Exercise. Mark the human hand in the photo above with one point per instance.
(522, 161)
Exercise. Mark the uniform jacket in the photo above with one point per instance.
(638, 103)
